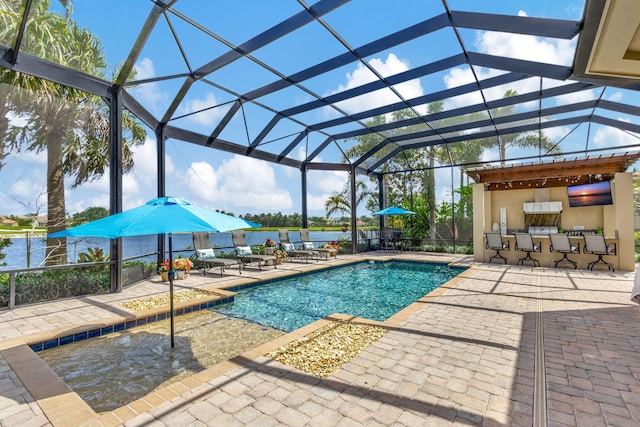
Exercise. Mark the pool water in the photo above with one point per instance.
(115, 369)
(373, 290)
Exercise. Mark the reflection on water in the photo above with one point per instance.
(116, 369)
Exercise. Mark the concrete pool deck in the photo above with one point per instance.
(498, 345)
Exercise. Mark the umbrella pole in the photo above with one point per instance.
(171, 275)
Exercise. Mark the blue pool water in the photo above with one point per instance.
(372, 290)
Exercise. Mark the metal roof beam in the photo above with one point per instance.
(402, 36)
(292, 145)
(263, 134)
(279, 30)
(425, 99)
(158, 9)
(434, 67)
(229, 147)
(503, 102)
(283, 28)
(531, 68)
(225, 120)
(541, 27)
(56, 73)
(478, 124)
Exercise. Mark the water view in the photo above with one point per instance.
(142, 245)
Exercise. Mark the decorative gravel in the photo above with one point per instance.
(153, 302)
(325, 350)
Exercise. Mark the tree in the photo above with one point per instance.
(517, 140)
(341, 202)
(71, 125)
(88, 215)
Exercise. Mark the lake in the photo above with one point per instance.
(141, 245)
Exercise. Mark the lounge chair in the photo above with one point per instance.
(243, 251)
(560, 243)
(495, 242)
(291, 250)
(525, 243)
(307, 244)
(206, 256)
(597, 245)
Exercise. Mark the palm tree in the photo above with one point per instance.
(517, 140)
(71, 125)
(341, 202)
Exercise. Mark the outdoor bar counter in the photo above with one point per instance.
(548, 258)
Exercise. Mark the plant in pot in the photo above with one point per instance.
(182, 266)
(270, 247)
(163, 270)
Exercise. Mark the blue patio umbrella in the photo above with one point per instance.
(163, 215)
(394, 210)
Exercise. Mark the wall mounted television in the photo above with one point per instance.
(596, 194)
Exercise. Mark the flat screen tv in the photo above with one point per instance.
(590, 194)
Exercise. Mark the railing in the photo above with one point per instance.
(94, 279)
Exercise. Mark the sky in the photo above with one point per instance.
(239, 184)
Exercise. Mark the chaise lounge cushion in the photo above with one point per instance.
(307, 245)
(243, 250)
(204, 254)
(288, 247)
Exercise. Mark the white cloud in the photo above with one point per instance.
(149, 93)
(362, 75)
(241, 184)
(530, 48)
(615, 97)
(557, 133)
(29, 193)
(327, 181)
(607, 136)
(206, 117)
(515, 46)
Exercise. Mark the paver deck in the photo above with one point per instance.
(496, 346)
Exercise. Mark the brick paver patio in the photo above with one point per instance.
(493, 347)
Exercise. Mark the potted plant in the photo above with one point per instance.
(182, 266)
(163, 270)
(270, 247)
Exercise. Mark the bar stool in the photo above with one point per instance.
(560, 243)
(524, 242)
(495, 242)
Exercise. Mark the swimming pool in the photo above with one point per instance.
(372, 290)
(117, 368)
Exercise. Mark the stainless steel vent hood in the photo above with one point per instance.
(542, 207)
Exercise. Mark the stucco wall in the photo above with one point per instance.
(616, 219)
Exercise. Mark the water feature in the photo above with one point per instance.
(115, 369)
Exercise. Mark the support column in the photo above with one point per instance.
(115, 182)
(303, 195)
(354, 209)
(161, 191)
(624, 231)
(480, 210)
(381, 199)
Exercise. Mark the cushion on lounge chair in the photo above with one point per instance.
(204, 254)
(288, 247)
(307, 245)
(243, 250)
